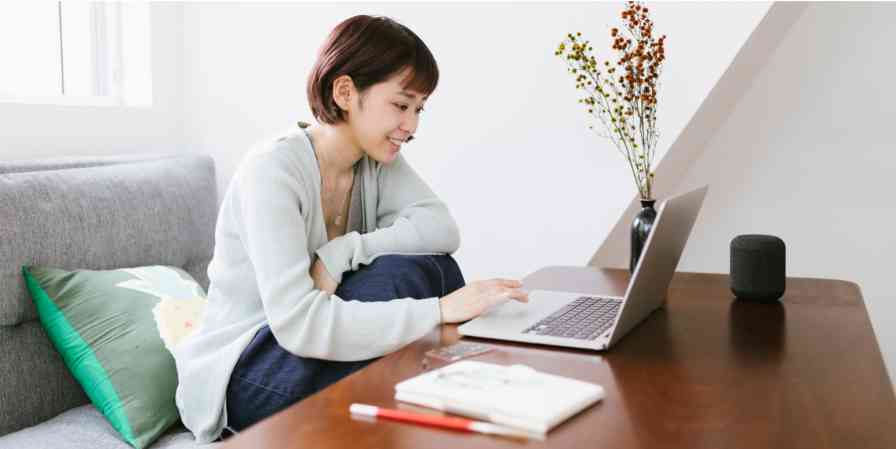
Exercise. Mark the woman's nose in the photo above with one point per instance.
(409, 125)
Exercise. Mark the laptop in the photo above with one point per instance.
(595, 321)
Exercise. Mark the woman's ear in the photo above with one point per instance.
(343, 92)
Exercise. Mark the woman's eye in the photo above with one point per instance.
(404, 107)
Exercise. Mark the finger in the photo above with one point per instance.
(510, 283)
(519, 295)
(498, 300)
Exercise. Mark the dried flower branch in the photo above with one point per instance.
(622, 93)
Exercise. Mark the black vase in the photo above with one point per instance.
(640, 230)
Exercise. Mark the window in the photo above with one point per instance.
(75, 53)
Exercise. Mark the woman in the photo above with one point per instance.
(330, 251)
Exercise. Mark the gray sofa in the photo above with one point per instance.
(93, 213)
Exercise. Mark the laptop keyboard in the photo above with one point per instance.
(585, 318)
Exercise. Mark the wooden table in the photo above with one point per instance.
(706, 371)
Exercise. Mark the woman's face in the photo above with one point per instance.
(385, 117)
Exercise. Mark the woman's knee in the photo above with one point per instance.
(449, 272)
(402, 276)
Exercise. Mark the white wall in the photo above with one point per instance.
(38, 130)
(502, 140)
(807, 155)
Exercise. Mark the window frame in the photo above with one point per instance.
(107, 62)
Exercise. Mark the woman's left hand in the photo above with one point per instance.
(322, 278)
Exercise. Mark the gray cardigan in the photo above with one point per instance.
(269, 224)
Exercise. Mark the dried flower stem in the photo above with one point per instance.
(625, 104)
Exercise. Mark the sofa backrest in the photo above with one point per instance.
(88, 213)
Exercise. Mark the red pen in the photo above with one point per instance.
(445, 422)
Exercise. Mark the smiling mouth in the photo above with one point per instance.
(396, 142)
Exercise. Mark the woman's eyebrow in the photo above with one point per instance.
(410, 95)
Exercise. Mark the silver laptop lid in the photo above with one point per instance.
(647, 290)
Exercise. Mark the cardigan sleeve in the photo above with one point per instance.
(306, 321)
(410, 220)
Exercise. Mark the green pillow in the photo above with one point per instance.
(104, 324)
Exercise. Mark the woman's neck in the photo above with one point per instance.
(337, 150)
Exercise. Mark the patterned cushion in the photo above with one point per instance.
(111, 328)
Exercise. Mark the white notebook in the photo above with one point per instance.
(516, 395)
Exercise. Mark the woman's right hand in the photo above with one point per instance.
(476, 297)
(322, 278)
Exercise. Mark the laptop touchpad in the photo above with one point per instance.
(540, 304)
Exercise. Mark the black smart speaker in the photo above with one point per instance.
(757, 267)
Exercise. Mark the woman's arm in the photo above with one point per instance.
(410, 220)
(305, 320)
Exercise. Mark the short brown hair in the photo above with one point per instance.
(369, 49)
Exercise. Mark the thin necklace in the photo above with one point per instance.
(338, 220)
